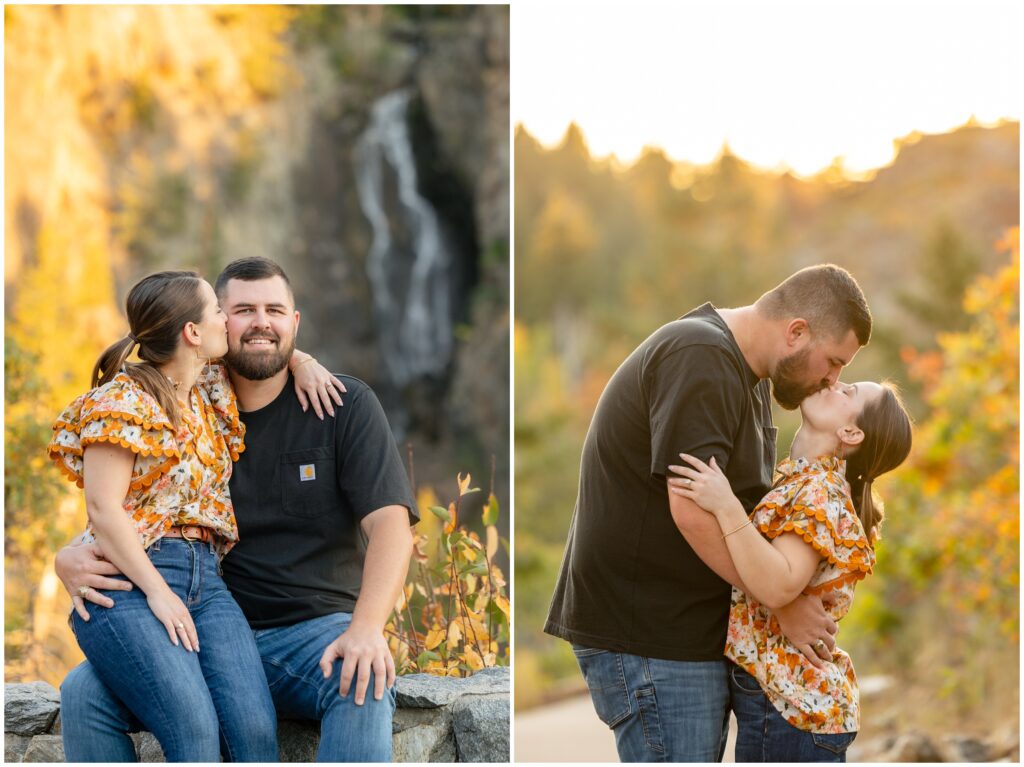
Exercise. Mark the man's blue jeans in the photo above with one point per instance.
(197, 704)
(95, 724)
(765, 736)
(659, 710)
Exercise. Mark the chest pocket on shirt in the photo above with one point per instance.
(307, 482)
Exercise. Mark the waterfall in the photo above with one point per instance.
(408, 263)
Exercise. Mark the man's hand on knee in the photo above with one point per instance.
(362, 650)
(83, 570)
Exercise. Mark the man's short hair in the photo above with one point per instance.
(827, 296)
(248, 270)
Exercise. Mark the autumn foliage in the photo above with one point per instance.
(952, 536)
(452, 618)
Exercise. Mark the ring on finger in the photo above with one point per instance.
(820, 647)
(180, 625)
(83, 590)
(689, 482)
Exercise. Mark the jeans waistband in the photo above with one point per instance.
(182, 542)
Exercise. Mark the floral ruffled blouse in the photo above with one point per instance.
(811, 499)
(180, 477)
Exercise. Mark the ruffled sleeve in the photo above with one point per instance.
(826, 520)
(216, 384)
(119, 413)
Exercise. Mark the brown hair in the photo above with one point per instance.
(158, 307)
(248, 270)
(888, 434)
(827, 296)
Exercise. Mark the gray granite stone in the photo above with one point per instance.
(427, 691)
(14, 747)
(481, 727)
(30, 708)
(45, 748)
(297, 741)
(148, 747)
(437, 720)
(423, 735)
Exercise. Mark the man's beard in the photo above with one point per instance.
(263, 364)
(787, 386)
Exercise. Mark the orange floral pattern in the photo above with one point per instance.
(179, 477)
(812, 500)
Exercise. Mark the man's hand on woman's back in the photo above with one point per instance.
(804, 622)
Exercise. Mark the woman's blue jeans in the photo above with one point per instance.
(765, 736)
(199, 705)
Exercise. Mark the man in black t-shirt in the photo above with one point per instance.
(324, 510)
(643, 592)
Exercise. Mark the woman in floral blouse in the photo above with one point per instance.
(152, 444)
(814, 533)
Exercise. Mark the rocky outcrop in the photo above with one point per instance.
(918, 746)
(437, 720)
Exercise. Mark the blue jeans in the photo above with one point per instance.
(198, 705)
(95, 724)
(765, 736)
(659, 710)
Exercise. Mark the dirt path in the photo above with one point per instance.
(569, 731)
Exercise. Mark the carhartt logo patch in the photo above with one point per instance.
(307, 472)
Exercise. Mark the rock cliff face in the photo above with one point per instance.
(437, 720)
(144, 138)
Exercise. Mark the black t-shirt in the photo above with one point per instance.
(629, 581)
(300, 490)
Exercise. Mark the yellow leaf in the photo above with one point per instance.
(468, 553)
(453, 513)
(476, 630)
(470, 584)
(454, 634)
(492, 541)
(474, 661)
(490, 659)
(434, 637)
(502, 603)
(464, 483)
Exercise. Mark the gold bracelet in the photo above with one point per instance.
(736, 530)
(310, 358)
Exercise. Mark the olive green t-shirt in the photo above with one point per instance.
(629, 581)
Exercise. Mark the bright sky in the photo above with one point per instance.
(784, 82)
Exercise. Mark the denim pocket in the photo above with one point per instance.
(744, 682)
(836, 743)
(647, 702)
(603, 673)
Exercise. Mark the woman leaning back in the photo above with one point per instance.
(152, 444)
(815, 532)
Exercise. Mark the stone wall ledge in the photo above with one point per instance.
(437, 720)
